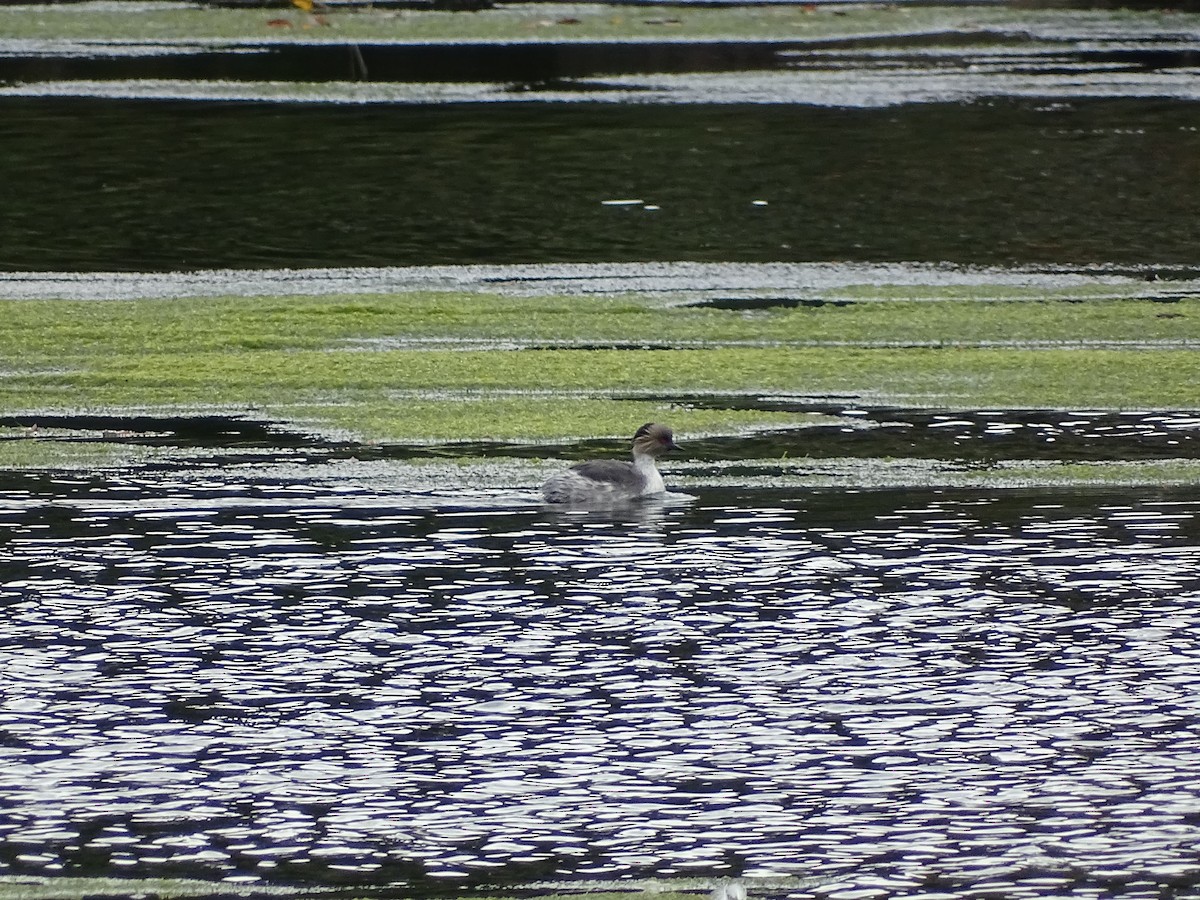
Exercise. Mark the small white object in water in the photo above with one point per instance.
(651, 207)
(758, 202)
(622, 202)
(614, 481)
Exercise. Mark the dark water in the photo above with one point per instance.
(533, 65)
(140, 185)
(982, 437)
(908, 692)
(527, 65)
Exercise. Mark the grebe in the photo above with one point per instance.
(611, 480)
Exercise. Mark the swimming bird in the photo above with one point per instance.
(612, 480)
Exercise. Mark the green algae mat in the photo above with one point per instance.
(442, 367)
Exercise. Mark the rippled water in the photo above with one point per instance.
(905, 692)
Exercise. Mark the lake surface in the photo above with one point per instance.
(133, 185)
(902, 693)
(294, 661)
(1067, 141)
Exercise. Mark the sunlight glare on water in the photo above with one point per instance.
(907, 691)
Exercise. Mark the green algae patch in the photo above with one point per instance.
(32, 449)
(444, 367)
(437, 366)
(361, 388)
(919, 377)
(41, 332)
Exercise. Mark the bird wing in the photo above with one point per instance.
(610, 471)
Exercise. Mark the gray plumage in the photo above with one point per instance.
(616, 472)
(610, 480)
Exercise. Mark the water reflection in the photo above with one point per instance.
(918, 690)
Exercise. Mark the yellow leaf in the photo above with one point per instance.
(305, 5)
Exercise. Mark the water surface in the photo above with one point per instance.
(902, 691)
(225, 670)
(1070, 140)
(134, 185)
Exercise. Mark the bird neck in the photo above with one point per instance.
(643, 460)
(646, 467)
